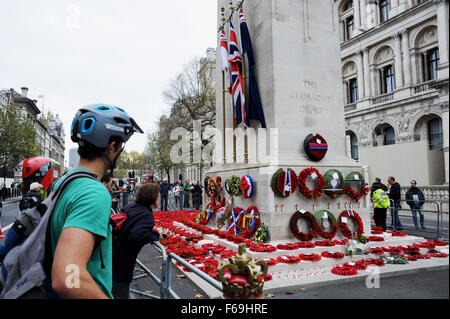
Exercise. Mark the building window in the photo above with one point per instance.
(389, 136)
(354, 146)
(349, 27)
(430, 65)
(348, 5)
(383, 10)
(435, 134)
(352, 91)
(387, 79)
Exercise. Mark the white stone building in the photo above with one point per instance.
(395, 71)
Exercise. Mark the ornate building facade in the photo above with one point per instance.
(49, 128)
(395, 71)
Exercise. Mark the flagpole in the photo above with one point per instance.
(223, 117)
(244, 82)
(223, 104)
(232, 97)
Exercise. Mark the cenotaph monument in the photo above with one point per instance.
(298, 69)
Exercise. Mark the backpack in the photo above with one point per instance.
(381, 199)
(26, 269)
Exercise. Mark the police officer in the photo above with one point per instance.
(380, 202)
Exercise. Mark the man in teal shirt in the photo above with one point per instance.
(79, 231)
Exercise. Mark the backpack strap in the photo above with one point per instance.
(54, 198)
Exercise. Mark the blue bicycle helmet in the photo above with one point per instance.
(97, 123)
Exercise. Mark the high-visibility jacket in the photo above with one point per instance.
(380, 199)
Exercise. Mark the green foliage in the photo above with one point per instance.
(17, 138)
(262, 234)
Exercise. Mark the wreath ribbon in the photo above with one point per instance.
(235, 215)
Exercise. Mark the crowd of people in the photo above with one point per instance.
(389, 197)
(184, 194)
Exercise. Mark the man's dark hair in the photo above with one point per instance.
(392, 178)
(377, 180)
(90, 152)
(148, 194)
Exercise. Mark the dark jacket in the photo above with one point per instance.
(164, 188)
(197, 191)
(136, 232)
(395, 192)
(409, 197)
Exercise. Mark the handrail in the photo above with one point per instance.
(216, 284)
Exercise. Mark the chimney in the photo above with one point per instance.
(24, 91)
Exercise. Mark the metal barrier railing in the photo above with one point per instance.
(438, 211)
(165, 282)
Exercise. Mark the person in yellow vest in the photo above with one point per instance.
(380, 202)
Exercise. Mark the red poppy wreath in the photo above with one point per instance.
(294, 225)
(316, 177)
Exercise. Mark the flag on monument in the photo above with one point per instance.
(254, 105)
(235, 60)
(224, 63)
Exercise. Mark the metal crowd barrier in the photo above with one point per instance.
(438, 230)
(167, 270)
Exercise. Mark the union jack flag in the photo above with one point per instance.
(235, 59)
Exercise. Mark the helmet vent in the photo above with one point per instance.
(121, 120)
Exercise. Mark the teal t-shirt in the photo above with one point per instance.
(86, 204)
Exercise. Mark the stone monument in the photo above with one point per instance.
(298, 68)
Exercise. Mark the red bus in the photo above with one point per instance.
(40, 169)
(148, 178)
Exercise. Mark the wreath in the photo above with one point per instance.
(232, 186)
(284, 182)
(262, 234)
(334, 182)
(343, 224)
(247, 186)
(294, 225)
(213, 187)
(316, 176)
(223, 214)
(205, 215)
(327, 217)
(249, 221)
(351, 193)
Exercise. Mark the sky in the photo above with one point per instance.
(80, 52)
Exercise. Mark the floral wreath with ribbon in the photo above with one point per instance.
(206, 214)
(233, 225)
(222, 215)
(351, 193)
(317, 177)
(247, 186)
(214, 187)
(321, 214)
(343, 224)
(284, 182)
(252, 214)
(334, 182)
(232, 186)
(294, 225)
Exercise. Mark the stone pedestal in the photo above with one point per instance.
(298, 66)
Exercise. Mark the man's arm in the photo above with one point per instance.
(74, 249)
